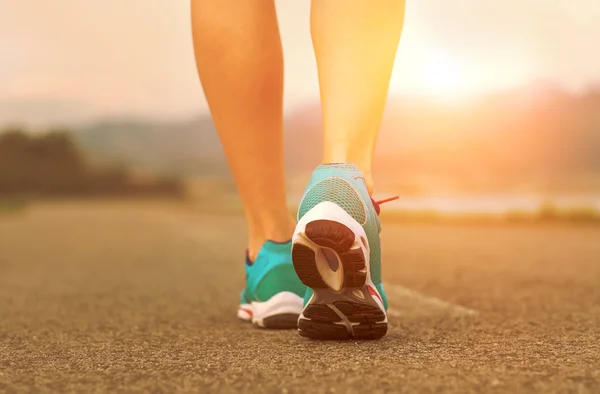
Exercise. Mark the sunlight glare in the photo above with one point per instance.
(443, 78)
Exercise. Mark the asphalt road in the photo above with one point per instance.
(142, 298)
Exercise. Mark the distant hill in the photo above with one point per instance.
(190, 148)
(533, 139)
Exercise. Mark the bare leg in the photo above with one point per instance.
(240, 63)
(355, 45)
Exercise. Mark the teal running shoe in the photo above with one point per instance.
(336, 253)
(273, 296)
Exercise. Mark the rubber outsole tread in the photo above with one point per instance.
(305, 265)
(330, 234)
(318, 312)
(359, 313)
(322, 330)
(370, 330)
(332, 331)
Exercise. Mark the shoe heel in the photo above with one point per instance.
(314, 252)
(330, 254)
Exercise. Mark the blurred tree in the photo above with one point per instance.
(50, 164)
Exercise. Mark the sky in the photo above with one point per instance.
(88, 58)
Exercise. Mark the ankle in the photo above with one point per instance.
(279, 231)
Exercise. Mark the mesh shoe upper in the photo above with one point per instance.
(272, 272)
(344, 185)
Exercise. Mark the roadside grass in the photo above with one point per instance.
(12, 205)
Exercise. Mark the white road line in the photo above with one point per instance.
(402, 295)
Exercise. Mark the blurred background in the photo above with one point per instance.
(494, 109)
(122, 238)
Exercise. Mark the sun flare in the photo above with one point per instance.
(442, 77)
(435, 74)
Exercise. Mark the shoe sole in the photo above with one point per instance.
(345, 303)
(279, 312)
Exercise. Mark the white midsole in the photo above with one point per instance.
(281, 303)
(245, 312)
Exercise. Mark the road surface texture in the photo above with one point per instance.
(98, 297)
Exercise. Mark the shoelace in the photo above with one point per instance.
(376, 204)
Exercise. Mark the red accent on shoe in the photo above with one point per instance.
(374, 292)
(248, 311)
(376, 204)
(387, 200)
